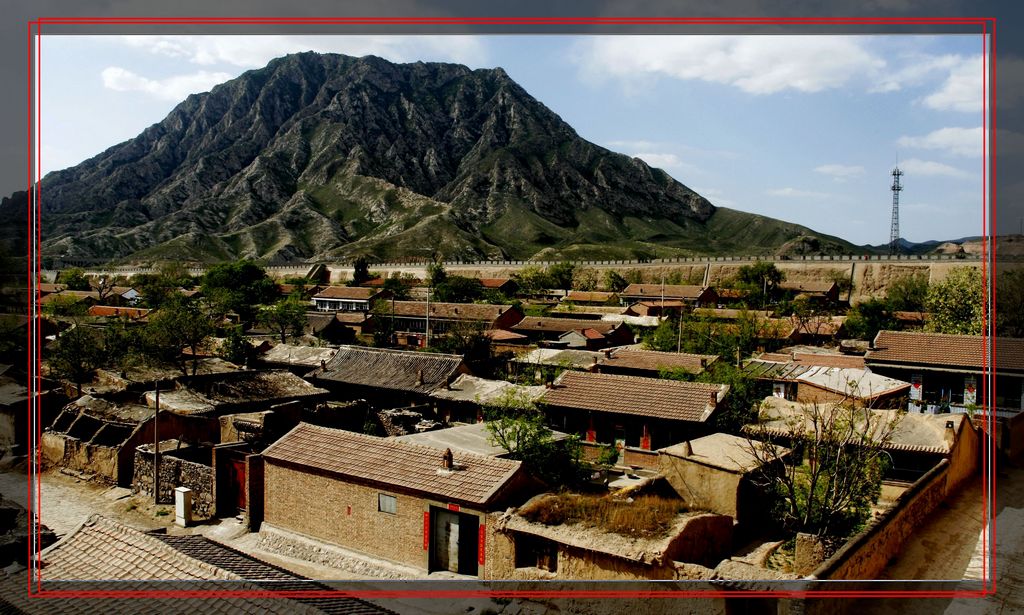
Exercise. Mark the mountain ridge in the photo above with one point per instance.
(327, 156)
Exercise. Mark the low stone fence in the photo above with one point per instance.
(175, 472)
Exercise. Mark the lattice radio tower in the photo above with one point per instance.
(894, 232)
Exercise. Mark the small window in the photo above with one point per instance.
(387, 503)
(535, 552)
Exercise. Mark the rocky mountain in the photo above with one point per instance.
(329, 156)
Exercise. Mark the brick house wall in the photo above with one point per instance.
(345, 513)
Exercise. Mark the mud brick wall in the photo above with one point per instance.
(175, 473)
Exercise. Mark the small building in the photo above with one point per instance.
(657, 309)
(505, 286)
(795, 355)
(821, 292)
(472, 438)
(650, 363)
(239, 392)
(630, 411)
(347, 299)
(948, 373)
(465, 397)
(691, 295)
(591, 297)
(299, 360)
(552, 329)
(105, 551)
(403, 502)
(304, 291)
(718, 472)
(525, 549)
(390, 378)
(586, 337)
(108, 312)
(412, 317)
(814, 383)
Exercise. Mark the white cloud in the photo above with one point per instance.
(915, 166)
(660, 160)
(172, 88)
(755, 64)
(840, 172)
(962, 89)
(952, 140)
(793, 192)
(256, 51)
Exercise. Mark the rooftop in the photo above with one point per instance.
(577, 359)
(652, 397)
(941, 349)
(807, 286)
(359, 293)
(383, 368)
(859, 383)
(395, 463)
(652, 360)
(669, 291)
(590, 296)
(452, 311)
(202, 395)
(473, 438)
(483, 391)
(915, 432)
(309, 356)
(550, 324)
(815, 358)
(720, 450)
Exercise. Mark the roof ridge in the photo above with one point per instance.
(665, 381)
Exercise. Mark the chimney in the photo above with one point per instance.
(687, 448)
(323, 364)
(950, 435)
(447, 459)
(607, 353)
(713, 399)
(703, 362)
(455, 310)
(419, 377)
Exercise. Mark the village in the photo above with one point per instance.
(560, 423)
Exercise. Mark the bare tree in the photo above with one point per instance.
(831, 491)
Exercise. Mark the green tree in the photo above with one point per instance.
(122, 345)
(907, 293)
(584, 279)
(760, 279)
(66, 308)
(178, 324)
(516, 424)
(286, 315)
(955, 303)
(238, 287)
(471, 340)
(235, 348)
(1010, 302)
(76, 355)
(740, 405)
(360, 271)
(74, 279)
(458, 289)
(867, 318)
(398, 285)
(843, 444)
(436, 274)
(532, 279)
(614, 282)
(561, 275)
(383, 324)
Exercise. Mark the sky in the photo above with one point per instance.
(806, 129)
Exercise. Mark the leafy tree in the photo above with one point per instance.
(74, 279)
(458, 289)
(286, 315)
(516, 424)
(235, 348)
(469, 340)
(561, 275)
(955, 303)
(383, 324)
(238, 287)
(66, 308)
(842, 281)
(122, 345)
(76, 355)
(1010, 303)
(436, 274)
(360, 271)
(532, 279)
(831, 494)
(908, 293)
(585, 279)
(398, 285)
(178, 324)
(868, 317)
(614, 282)
(760, 280)
(635, 276)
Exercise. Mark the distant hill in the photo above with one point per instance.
(329, 156)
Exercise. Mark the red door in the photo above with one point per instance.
(236, 469)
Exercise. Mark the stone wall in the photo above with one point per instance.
(175, 472)
(865, 555)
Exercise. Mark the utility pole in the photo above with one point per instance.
(894, 229)
(156, 448)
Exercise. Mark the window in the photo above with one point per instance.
(535, 552)
(387, 503)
